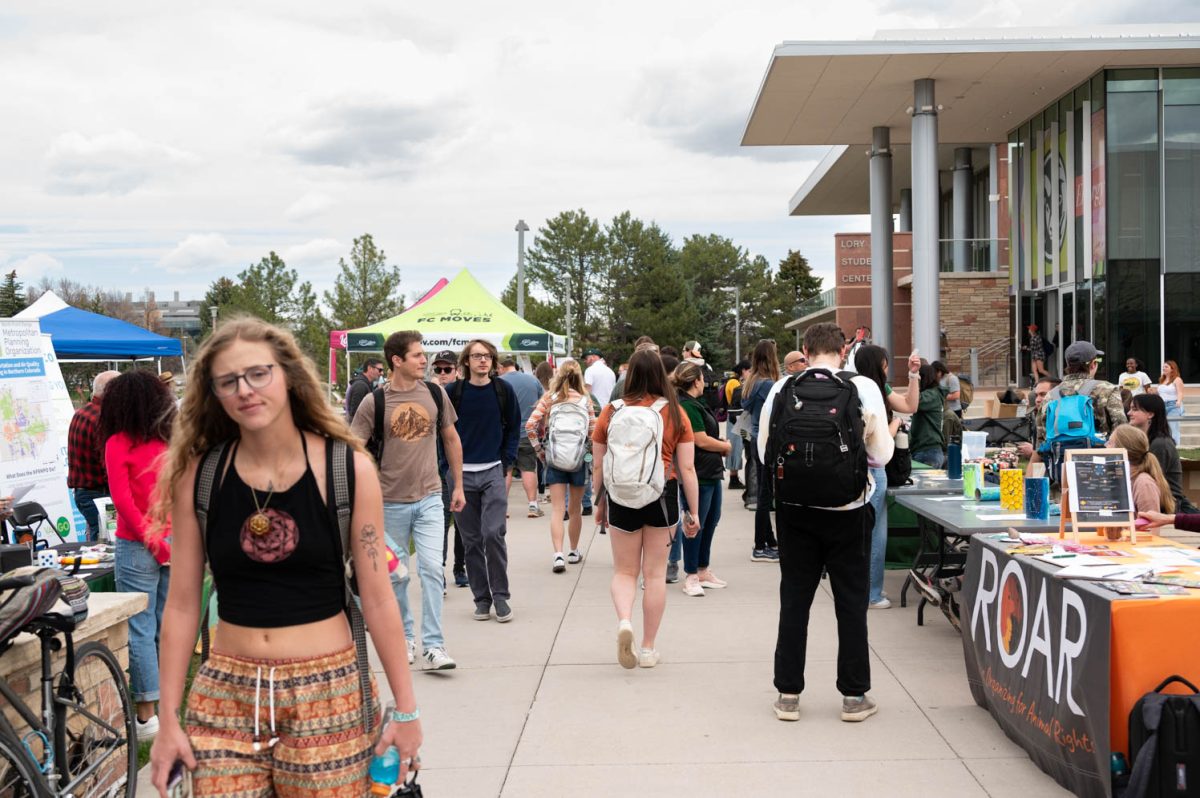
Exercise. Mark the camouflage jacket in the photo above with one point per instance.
(1106, 404)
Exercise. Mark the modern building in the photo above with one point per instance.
(1038, 176)
(176, 316)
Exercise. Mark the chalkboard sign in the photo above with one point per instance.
(1097, 490)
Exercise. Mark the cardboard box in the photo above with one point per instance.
(998, 409)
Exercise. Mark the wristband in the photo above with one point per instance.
(914, 375)
(405, 717)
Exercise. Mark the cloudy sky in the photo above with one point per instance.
(161, 145)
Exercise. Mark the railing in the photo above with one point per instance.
(822, 301)
(975, 254)
(991, 364)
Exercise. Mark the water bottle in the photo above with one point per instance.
(902, 437)
(385, 772)
(954, 461)
(1119, 766)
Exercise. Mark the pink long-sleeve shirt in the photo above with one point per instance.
(132, 481)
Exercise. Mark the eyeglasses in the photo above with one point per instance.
(256, 377)
(443, 369)
(481, 355)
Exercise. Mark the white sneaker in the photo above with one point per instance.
(883, 604)
(535, 511)
(412, 651)
(691, 586)
(560, 564)
(146, 729)
(648, 657)
(574, 556)
(710, 580)
(436, 659)
(626, 655)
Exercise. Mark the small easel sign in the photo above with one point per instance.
(1097, 493)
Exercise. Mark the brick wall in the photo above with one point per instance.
(975, 311)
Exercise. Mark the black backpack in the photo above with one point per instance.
(815, 448)
(1164, 743)
(378, 434)
(899, 468)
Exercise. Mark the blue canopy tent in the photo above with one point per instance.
(80, 335)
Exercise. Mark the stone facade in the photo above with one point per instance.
(975, 311)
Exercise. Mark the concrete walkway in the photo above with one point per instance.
(540, 707)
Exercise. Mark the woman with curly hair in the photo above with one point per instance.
(278, 708)
(135, 424)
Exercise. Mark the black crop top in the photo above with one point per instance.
(290, 575)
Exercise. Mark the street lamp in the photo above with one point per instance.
(521, 229)
(737, 320)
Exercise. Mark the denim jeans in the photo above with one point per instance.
(138, 572)
(85, 501)
(934, 457)
(697, 550)
(676, 553)
(733, 460)
(1174, 413)
(879, 533)
(422, 524)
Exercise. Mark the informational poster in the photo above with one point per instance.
(1099, 221)
(1099, 487)
(35, 416)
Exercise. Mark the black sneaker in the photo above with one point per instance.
(587, 510)
(735, 483)
(460, 579)
(762, 555)
(504, 613)
(672, 573)
(483, 610)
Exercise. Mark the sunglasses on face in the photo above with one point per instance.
(443, 369)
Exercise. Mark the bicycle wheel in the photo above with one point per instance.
(95, 736)
(16, 771)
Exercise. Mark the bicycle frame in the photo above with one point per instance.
(54, 705)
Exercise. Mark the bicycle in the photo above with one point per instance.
(83, 744)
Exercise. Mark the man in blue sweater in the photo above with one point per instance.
(489, 424)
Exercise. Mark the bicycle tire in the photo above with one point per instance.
(99, 689)
(18, 779)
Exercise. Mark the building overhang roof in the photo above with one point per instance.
(988, 82)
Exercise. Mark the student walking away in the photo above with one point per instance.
(85, 456)
(362, 385)
(489, 425)
(1148, 414)
(643, 448)
(872, 362)
(135, 424)
(733, 401)
(1134, 379)
(598, 378)
(559, 430)
(951, 387)
(266, 484)
(643, 342)
(528, 390)
(926, 439)
(821, 429)
(710, 479)
(1170, 388)
(445, 372)
(1079, 413)
(401, 423)
(764, 373)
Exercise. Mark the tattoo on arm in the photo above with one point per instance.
(370, 541)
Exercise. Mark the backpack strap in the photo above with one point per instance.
(378, 438)
(437, 400)
(339, 480)
(502, 401)
(212, 466)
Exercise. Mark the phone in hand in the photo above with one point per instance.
(688, 518)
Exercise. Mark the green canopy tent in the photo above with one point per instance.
(456, 315)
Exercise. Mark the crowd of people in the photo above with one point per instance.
(432, 444)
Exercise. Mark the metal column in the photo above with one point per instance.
(961, 209)
(881, 239)
(993, 228)
(906, 210)
(926, 311)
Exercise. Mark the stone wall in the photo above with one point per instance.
(974, 311)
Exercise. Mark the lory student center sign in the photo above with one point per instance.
(1037, 656)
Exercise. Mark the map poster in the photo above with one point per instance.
(33, 435)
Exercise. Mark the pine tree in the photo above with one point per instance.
(221, 294)
(797, 276)
(367, 290)
(12, 296)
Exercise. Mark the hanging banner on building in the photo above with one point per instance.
(1099, 252)
(35, 415)
(1037, 657)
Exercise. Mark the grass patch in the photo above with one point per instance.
(1189, 454)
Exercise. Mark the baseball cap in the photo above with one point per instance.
(446, 356)
(1032, 327)
(693, 346)
(1082, 352)
(592, 351)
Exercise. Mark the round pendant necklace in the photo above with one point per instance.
(260, 523)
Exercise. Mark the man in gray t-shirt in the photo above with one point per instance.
(950, 387)
(528, 391)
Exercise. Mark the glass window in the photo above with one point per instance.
(1132, 166)
(1133, 313)
(1181, 152)
(1183, 326)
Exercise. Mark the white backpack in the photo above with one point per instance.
(633, 466)
(567, 435)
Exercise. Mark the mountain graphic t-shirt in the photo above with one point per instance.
(409, 471)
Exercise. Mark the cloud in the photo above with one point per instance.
(306, 207)
(319, 253)
(198, 252)
(31, 268)
(110, 163)
(389, 137)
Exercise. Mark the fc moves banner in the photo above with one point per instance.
(33, 423)
(1037, 657)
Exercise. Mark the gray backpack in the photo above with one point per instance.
(567, 435)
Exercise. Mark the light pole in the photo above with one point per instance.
(213, 310)
(737, 324)
(521, 229)
(570, 349)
